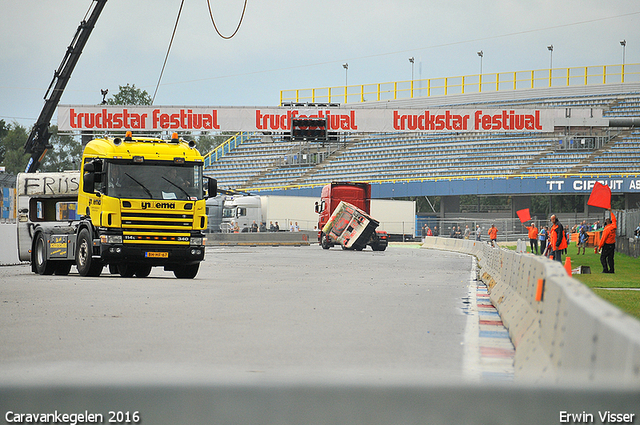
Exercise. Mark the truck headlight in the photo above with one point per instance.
(111, 239)
(197, 241)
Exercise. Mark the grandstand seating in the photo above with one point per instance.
(407, 156)
(622, 157)
(248, 160)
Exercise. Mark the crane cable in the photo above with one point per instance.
(239, 23)
(168, 50)
(244, 8)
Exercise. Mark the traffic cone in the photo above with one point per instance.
(567, 266)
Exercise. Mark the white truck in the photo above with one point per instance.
(396, 217)
(243, 210)
(47, 201)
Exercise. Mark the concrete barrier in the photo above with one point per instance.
(303, 238)
(9, 247)
(198, 400)
(569, 334)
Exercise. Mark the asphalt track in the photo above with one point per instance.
(298, 312)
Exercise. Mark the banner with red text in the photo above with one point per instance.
(201, 118)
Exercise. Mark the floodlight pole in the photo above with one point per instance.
(550, 48)
(623, 43)
(346, 72)
(412, 60)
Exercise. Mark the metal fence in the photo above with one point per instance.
(627, 242)
(509, 229)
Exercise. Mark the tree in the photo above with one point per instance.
(65, 154)
(205, 142)
(12, 140)
(3, 132)
(130, 95)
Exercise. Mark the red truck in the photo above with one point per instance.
(359, 195)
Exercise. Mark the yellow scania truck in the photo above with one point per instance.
(136, 203)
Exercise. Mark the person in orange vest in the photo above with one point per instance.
(608, 244)
(558, 240)
(533, 236)
(493, 235)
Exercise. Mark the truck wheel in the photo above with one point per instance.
(187, 272)
(143, 271)
(87, 266)
(325, 241)
(43, 266)
(377, 246)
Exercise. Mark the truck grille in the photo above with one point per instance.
(157, 228)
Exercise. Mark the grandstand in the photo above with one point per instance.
(273, 163)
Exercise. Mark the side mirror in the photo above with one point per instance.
(210, 187)
(317, 208)
(88, 181)
(92, 170)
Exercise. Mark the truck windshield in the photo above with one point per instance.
(154, 181)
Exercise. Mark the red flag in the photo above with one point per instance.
(524, 215)
(600, 196)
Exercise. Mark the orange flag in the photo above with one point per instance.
(524, 215)
(600, 196)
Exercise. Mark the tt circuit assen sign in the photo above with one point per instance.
(160, 118)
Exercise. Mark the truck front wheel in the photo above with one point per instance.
(43, 266)
(187, 272)
(87, 265)
(143, 271)
(325, 242)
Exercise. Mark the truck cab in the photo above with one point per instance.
(357, 194)
(140, 204)
(241, 210)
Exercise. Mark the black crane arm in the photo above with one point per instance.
(38, 141)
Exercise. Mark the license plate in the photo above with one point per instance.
(156, 254)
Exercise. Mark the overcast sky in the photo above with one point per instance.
(288, 44)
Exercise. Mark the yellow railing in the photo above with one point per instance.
(478, 83)
(224, 148)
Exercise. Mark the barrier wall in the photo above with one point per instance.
(564, 332)
(301, 238)
(8, 247)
